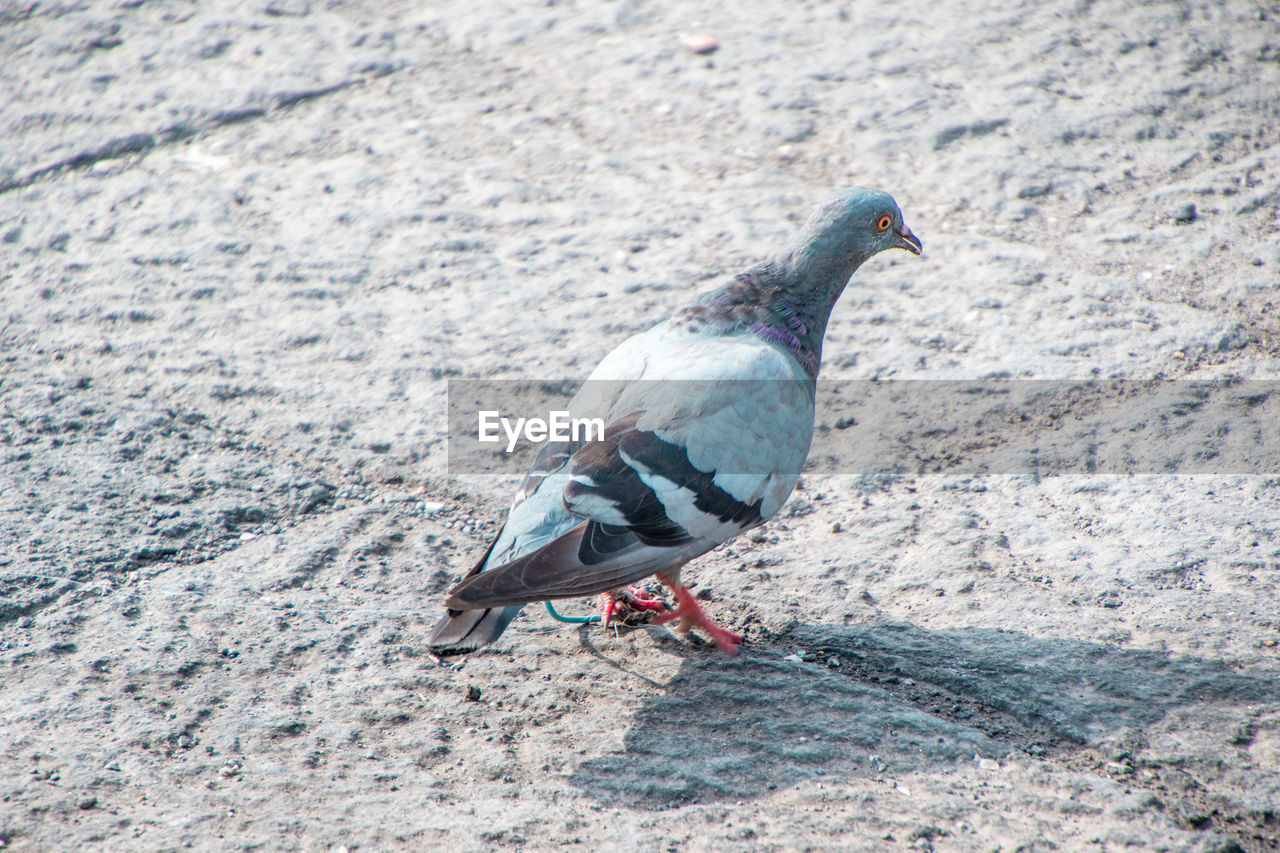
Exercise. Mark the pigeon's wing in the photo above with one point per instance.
(559, 571)
(713, 426)
(705, 461)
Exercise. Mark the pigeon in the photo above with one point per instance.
(708, 421)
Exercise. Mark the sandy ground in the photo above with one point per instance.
(243, 247)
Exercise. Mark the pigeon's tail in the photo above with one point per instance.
(466, 630)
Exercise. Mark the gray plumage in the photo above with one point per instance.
(710, 417)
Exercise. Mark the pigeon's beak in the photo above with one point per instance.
(908, 241)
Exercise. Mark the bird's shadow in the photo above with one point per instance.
(893, 698)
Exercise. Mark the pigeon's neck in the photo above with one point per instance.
(781, 324)
(815, 276)
(786, 300)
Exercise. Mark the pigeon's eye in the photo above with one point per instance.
(884, 222)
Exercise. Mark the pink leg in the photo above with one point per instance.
(607, 605)
(639, 598)
(691, 616)
(634, 598)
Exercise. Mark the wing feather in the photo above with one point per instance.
(556, 571)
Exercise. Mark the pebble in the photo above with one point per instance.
(1185, 213)
(699, 44)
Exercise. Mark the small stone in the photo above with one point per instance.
(699, 44)
(473, 693)
(1237, 337)
(288, 8)
(837, 527)
(1242, 736)
(1185, 213)
(87, 803)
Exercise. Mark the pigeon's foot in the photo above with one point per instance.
(632, 598)
(691, 615)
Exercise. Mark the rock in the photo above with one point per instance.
(316, 496)
(1235, 338)
(235, 514)
(700, 44)
(288, 8)
(976, 128)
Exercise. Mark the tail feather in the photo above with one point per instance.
(466, 630)
(556, 570)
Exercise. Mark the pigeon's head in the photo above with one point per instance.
(857, 223)
(811, 271)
